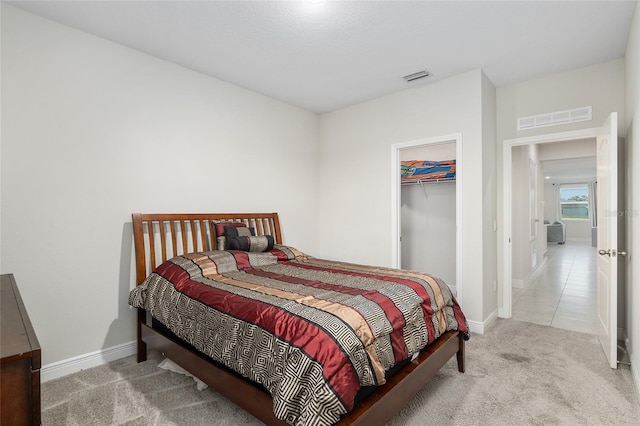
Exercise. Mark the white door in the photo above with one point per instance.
(607, 214)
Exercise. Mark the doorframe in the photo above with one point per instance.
(396, 201)
(504, 311)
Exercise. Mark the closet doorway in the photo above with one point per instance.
(428, 208)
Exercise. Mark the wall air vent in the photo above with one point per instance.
(555, 118)
(416, 75)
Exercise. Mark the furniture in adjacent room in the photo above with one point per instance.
(20, 364)
(187, 238)
(556, 232)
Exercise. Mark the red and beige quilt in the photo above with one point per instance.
(311, 331)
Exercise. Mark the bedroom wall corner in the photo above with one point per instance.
(93, 131)
(489, 202)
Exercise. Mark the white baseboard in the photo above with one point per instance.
(479, 327)
(82, 362)
(635, 374)
(627, 345)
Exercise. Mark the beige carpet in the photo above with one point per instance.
(517, 374)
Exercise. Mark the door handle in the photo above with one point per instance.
(613, 253)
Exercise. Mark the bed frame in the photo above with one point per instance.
(158, 237)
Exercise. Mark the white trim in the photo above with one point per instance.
(506, 284)
(636, 381)
(395, 201)
(555, 137)
(65, 367)
(504, 311)
(635, 372)
(480, 327)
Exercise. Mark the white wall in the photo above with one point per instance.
(602, 86)
(578, 230)
(540, 202)
(529, 234)
(550, 202)
(567, 149)
(524, 245)
(631, 125)
(93, 131)
(428, 222)
(355, 173)
(433, 152)
(489, 235)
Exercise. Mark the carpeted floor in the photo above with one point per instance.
(517, 374)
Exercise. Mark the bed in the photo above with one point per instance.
(289, 338)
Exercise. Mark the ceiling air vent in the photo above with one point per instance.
(555, 118)
(416, 75)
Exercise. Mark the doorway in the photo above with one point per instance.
(609, 269)
(505, 310)
(554, 266)
(419, 194)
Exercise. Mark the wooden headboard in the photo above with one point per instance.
(161, 236)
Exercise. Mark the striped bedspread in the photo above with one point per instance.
(311, 331)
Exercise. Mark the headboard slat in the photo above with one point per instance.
(203, 234)
(183, 236)
(163, 239)
(152, 244)
(173, 234)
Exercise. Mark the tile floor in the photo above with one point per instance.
(562, 292)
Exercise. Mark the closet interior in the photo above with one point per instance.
(428, 210)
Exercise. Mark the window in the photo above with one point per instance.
(574, 201)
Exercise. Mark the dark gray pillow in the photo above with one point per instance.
(250, 243)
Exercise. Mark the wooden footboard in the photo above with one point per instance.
(158, 237)
(389, 398)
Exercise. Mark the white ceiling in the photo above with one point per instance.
(328, 55)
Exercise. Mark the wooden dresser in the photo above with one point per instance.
(20, 364)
